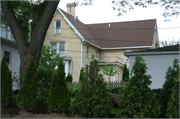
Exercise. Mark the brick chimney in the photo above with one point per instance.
(71, 9)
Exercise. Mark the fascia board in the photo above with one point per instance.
(72, 26)
(126, 47)
(151, 53)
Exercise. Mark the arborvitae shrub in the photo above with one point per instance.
(173, 105)
(136, 98)
(92, 99)
(125, 73)
(58, 99)
(27, 97)
(82, 75)
(69, 78)
(6, 84)
(166, 92)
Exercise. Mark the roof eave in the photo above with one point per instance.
(126, 47)
(150, 53)
(72, 26)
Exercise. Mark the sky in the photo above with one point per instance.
(101, 12)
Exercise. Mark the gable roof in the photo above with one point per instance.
(120, 34)
(164, 50)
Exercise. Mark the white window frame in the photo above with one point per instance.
(97, 54)
(87, 51)
(126, 58)
(51, 47)
(56, 30)
(59, 48)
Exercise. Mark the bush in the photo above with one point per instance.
(73, 90)
(166, 92)
(125, 73)
(58, 99)
(42, 95)
(81, 77)
(27, 97)
(173, 105)
(137, 99)
(92, 99)
(69, 78)
(6, 84)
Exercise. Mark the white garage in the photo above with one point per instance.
(157, 60)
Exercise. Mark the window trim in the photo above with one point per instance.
(59, 48)
(55, 26)
(56, 47)
(87, 51)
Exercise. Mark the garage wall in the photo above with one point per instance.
(157, 67)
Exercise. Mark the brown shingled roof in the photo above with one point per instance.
(120, 34)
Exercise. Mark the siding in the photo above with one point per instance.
(157, 67)
(14, 60)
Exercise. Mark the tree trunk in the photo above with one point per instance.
(41, 21)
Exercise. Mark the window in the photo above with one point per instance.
(7, 54)
(58, 26)
(62, 49)
(96, 54)
(126, 58)
(87, 51)
(53, 48)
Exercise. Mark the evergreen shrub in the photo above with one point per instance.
(69, 78)
(137, 99)
(167, 89)
(92, 99)
(125, 73)
(6, 84)
(27, 97)
(58, 99)
(173, 104)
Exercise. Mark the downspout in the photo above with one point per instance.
(81, 53)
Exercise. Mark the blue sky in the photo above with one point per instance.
(101, 12)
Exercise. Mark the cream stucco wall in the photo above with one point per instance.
(72, 43)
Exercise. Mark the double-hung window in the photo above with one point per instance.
(62, 49)
(57, 26)
(87, 51)
(7, 54)
(54, 48)
(126, 58)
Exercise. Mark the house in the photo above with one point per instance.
(158, 61)
(9, 48)
(76, 41)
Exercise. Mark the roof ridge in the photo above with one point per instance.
(121, 22)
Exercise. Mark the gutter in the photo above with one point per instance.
(151, 53)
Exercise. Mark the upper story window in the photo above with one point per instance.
(54, 48)
(126, 58)
(62, 49)
(58, 26)
(87, 51)
(96, 54)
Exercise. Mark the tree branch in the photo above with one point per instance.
(13, 24)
